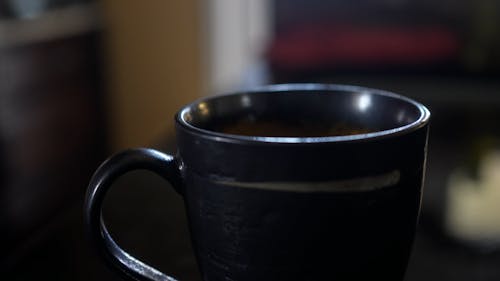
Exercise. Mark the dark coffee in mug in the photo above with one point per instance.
(289, 128)
(288, 182)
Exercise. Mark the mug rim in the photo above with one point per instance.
(420, 122)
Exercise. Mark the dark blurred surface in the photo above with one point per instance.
(145, 216)
(52, 133)
(52, 126)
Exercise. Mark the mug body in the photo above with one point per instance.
(307, 207)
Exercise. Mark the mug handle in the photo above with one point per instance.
(133, 159)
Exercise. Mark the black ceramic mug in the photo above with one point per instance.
(320, 182)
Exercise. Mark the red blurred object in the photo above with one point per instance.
(360, 46)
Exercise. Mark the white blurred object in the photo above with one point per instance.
(473, 206)
(238, 33)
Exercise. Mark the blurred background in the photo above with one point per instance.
(82, 79)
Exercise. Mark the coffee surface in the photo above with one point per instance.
(278, 128)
